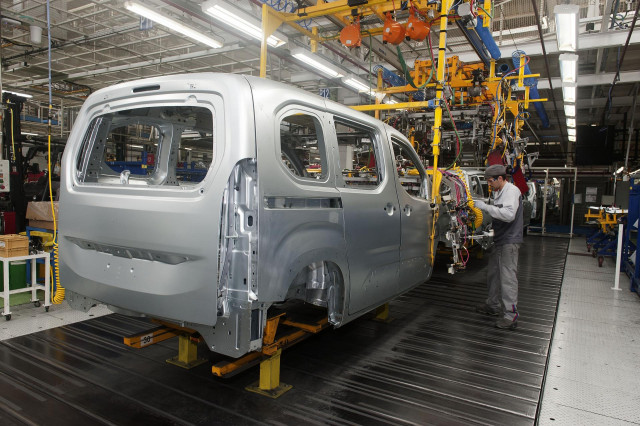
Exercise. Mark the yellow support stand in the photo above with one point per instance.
(187, 353)
(382, 314)
(269, 383)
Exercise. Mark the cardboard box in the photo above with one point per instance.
(41, 210)
(13, 245)
(43, 224)
(39, 214)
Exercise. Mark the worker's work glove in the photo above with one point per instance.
(480, 204)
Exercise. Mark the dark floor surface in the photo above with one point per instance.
(437, 362)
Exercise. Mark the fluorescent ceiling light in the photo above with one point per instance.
(567, 26)
(570, 110)
(316, 62)
(619, 170)
(569, 68)
(390, 101)
(239, 20)
(571, 132)
(171, 24)
(24, 95)
(137, 146)
(571, 122)
(29, 134)
(356, 84)
(572, 138)
(569, 93)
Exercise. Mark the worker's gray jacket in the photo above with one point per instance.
(506, 211)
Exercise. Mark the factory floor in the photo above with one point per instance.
(593, 375)
(437, 362)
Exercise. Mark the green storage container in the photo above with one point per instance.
(17, 275)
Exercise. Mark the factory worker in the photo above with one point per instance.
(505, 208)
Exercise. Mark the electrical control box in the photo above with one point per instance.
(5, 171)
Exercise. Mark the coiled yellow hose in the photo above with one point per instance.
(478, 222)
(58, 296)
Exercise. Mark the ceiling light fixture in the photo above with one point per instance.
(567, 26)
(571, 122)
(171, 24)
(570, 110)
(316, 62)
(569, 92)
(572, 138)
(569, 68)
(24, 95)
(356, 84)
(571, 132)
(240, 20)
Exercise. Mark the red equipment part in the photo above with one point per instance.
(495, 157)
(393, 31)
(417, 29)
(350, 35)
(9, 219)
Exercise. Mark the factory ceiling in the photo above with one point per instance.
(97, 43)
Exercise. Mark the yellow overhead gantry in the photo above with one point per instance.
(450, 71)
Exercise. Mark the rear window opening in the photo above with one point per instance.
(153, 146)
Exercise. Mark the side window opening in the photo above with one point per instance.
(476, 189)
(302, 146)
(154, 146)
(412, 178)
(358, 156)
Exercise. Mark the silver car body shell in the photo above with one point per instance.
(214, 257)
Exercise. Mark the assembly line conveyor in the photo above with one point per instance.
(437, 362)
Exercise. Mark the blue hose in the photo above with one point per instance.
(533, 94)
(487, 39)
(515, 57)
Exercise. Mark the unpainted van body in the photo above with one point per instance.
(205, 199)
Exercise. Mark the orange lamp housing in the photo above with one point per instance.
(416, 28)
(393, 32)
(350, 35)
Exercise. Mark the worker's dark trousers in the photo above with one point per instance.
(502, 279)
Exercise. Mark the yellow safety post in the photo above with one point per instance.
(269, 383)
(187, 353)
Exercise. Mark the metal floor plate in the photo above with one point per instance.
(593, 376)
(437, 362)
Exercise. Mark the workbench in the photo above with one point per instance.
(31, 286)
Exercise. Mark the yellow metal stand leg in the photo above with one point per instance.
(187, 353)
(269, 383)
(382, 314)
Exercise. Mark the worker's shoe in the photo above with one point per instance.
(488, 310)
(507, 324)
